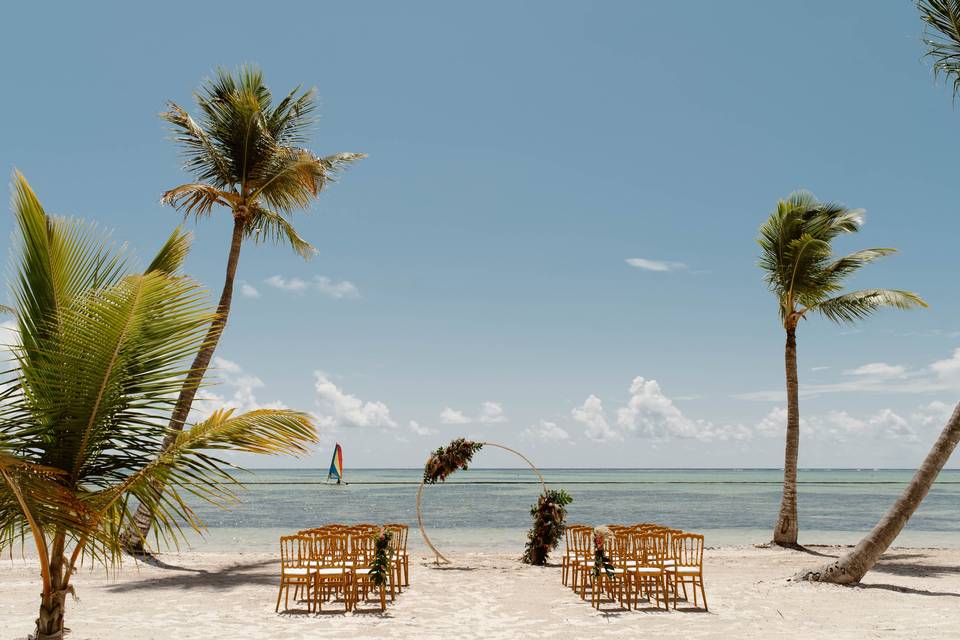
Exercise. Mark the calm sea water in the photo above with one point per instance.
(488, 509)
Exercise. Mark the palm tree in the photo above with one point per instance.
(804, 275)
(853, 565)
(100, 352)
(942, 38)
(244, 152)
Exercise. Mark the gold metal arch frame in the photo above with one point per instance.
(440, 557)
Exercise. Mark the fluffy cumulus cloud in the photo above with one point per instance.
(655, 265)
(948, 370)
(548, 431)
(652, 415)
(844, 427)
(453, 416)
(247, 290)
(419, 429)
(338, 408)
(490, 413)
(322, 284)
(240, 387)
(596, 426)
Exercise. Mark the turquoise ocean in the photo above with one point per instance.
(488, 509)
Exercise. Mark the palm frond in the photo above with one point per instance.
(203, 158)
(858, 305)
(269, 226)
(33, 500)
(58, 260)
(848, 264)
(173, 252)
(187, 469)
(196, 198)
(942, 37)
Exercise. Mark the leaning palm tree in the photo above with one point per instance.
(101, 350)
(942, 38)
(806, 277)
(853, 565)
(245, 153)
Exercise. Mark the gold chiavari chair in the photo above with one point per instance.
(329, 557)
(582, 559)
(294, 569)
(362, 552)
(648, 573)
(398, 545)
(569, 552)
(617, 581)
(687, 553)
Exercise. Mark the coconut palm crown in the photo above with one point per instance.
(802, 271)
(245, 152)
(99, 353)
(807, 278)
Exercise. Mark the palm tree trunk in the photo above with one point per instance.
(852, 566)
(135, 535)
(785, 533)
(54, 596)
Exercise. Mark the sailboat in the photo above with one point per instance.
(336, 465)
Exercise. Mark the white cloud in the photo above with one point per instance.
(934, 414)
(293, 284)
(655, 265)
(342, 289)
(842, 427)
(248, 290)
(420, 430)
(453, 416)
(343, 409)
(546, 430)
(878, 370)
(491, 413)
(594, 418)
(241, 386)
(323, 284)
(651, 414)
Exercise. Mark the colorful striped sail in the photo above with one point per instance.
(336, 465)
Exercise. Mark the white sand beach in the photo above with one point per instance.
(912, 593)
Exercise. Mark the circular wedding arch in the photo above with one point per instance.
(440, 557)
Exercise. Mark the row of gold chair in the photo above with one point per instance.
(646, 561)
(334, 562)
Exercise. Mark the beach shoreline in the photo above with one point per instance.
(911, 593)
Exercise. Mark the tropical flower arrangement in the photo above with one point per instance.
(600, 560)
(548, 516)
(380, 566)
(444, 461)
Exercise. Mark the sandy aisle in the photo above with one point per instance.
(914, 594)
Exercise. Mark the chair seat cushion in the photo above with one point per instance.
(298, 571)
(685, 570)
(330, 571)
(647, 571)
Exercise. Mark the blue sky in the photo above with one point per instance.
(472, 276)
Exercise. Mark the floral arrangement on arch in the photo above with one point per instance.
(548, 516)
(380, 566)
(445, 460)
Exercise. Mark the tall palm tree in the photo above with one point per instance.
(99, 353)
(942, 38)
(245, 153)
(806, 277)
